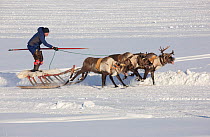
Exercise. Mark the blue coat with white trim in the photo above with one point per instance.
(38, 39)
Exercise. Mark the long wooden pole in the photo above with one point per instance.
(45, 49)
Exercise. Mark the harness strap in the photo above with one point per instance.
(152, 59)
(98, 63)
(162, 60)
(114, 66)
(129, 59)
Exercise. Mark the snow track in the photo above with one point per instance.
(76, 118)
(196, 57)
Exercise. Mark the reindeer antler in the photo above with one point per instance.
(162, 50)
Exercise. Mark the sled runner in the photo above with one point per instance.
(45, 79)
(40, 86)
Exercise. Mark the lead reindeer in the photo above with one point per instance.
(105, 66)
(158, 62)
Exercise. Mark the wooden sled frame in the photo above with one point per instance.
(47, 81)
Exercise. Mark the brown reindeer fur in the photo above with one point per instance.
(107, 66)
(157, 62)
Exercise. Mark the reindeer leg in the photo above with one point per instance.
(153, 77)
(85, 75)
(78, 73)
(135, 72)
(110, 76)
(145, 74)
(71, 79)
(125, 77)
(80, 78)
(118, 77)
(131, 75)
(103, 79)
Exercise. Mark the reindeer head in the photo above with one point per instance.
(166, 57)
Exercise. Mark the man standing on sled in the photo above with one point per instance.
(34, 46)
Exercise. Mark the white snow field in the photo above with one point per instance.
(177, 106)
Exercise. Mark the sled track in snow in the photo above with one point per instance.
(77, 118)
(196, 57)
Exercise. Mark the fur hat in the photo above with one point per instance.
(46, 30)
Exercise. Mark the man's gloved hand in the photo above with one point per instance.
(55, 48)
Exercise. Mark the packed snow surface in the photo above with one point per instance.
(188, 88)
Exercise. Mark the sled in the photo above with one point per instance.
(48, 86)
(46, 79)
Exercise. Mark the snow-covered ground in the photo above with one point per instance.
(178, 105)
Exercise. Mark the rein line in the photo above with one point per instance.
(72, 53)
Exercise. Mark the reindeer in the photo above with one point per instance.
(105, 66)
(150, 62)
(141, 63)
(130, 60)
(157, 62)
(121, 57)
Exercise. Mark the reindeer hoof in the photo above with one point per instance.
(131, 75)
(80, 78)
(125, 78)
(138, 79)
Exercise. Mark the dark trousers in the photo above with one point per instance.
(38, 57)
(37, 54)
